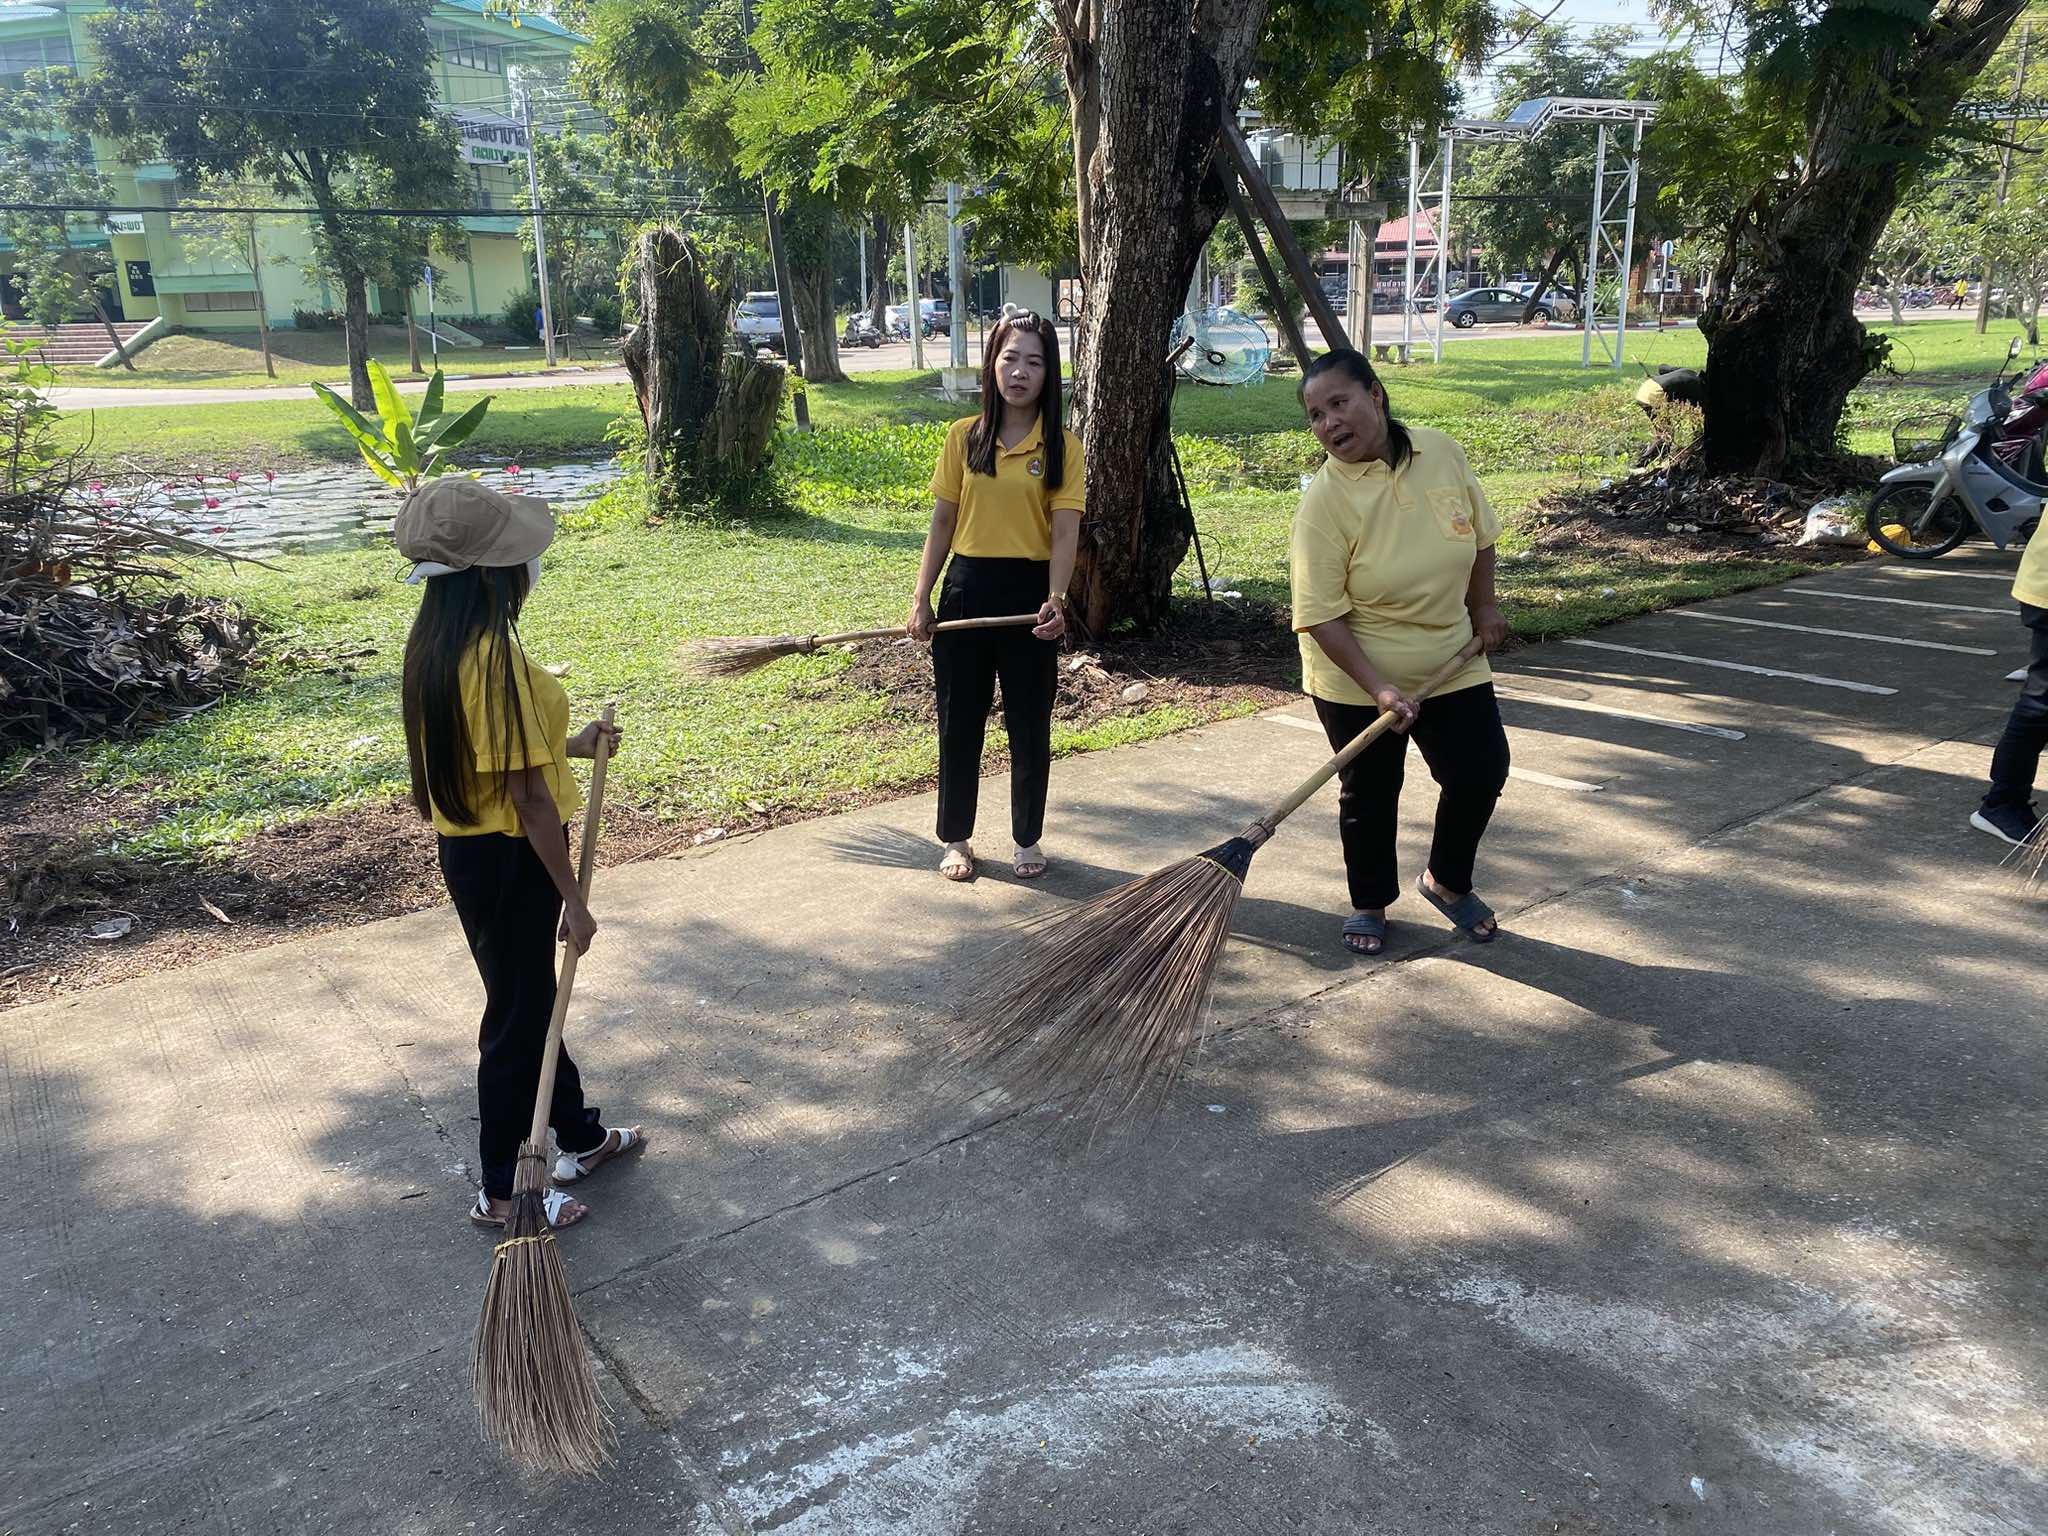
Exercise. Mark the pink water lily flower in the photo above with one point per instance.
(269, 476)
(95, 486)
(512, 469)
(234, 477)
(212, 502)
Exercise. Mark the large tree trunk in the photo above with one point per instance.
(1149, 95)
(1784, 347)
(813, 285)
(356, 329)
(99, 307)
(1543, 283)
(878, 277)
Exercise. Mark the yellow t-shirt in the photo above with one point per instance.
(544, 719)
(2031, 584)
(1391, 550)
(1007, 515)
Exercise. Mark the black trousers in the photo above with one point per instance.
(967, 664)
(510, 911)
(1461, 739)
(2018, 754)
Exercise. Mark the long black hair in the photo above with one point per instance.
(981, 437)
(480, 607)
(1354, 365)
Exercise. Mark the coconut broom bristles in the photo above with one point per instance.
(536, 1395)
(1104, 1002)
(737, 655)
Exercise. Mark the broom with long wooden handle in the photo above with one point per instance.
(535, 1392)
(1105, 1001)
(739, 654)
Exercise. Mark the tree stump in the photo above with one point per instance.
(709, 416)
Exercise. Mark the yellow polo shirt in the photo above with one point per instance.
(1007, 516)
(544, 719)
(1391, 551)
(2031, 584)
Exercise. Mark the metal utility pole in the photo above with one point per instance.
(860, 238)
(914, 302)
(785, 295)
(540, 234)
(956, 275)
(2012, 133)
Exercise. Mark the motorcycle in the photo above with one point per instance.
(1949, 479)
(861, 332)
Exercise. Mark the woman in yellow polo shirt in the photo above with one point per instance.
(1006, 506)
(487, 737)
(1392, 570)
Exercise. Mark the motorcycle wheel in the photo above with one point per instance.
(1930, 530)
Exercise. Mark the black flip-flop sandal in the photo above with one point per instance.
(1467, 912)
(1363, 925)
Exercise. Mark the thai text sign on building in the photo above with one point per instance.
(488, 139)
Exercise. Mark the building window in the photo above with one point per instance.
(219, 303)
(461, 52)
(20, 55)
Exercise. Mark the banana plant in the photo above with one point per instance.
(400, 448)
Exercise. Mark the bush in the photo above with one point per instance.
(607, 313)
(317, 319)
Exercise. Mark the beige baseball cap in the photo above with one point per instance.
(454, 522)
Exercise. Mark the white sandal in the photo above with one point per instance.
(958, 863)
(569, 1168)
(552, 1204)
(1029, 863)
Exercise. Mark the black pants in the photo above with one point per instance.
(2018, 754)
(1461, 738)
(967, 664)
(510, 910)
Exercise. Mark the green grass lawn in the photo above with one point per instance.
(619, 596)
(234, 360)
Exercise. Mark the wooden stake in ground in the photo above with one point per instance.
(535, 1392)
(1105, 1001)
(740, 654)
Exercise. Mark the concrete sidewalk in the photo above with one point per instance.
(1708, 1199)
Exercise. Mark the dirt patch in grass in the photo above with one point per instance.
(1215, 655)
(75, 916)
(1661, 515)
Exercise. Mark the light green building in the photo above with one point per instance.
(159, 276)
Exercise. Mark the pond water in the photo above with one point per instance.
(340, 506)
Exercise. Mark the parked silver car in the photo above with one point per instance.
(758, 321)
(1492, 304)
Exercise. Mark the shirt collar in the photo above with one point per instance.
(1366, 467)
(1033, 440)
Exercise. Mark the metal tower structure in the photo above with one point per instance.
(1427, 181)
(1610, 232)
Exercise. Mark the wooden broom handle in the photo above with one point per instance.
(1357, 744)
(586, 867)
(885, 634)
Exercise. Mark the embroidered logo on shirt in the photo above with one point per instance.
(1035, 469)
(1461, 524)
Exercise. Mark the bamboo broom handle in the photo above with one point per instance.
(586, 867)
(1357, 744)
(885, 634)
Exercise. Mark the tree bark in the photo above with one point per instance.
(99, 307)
(1149, 94)
(1784, 347)
(356, 330)
(262, 318)
(878, 277)
(813, 285)
(1543, 285)
(412, 336)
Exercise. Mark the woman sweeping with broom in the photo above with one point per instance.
(1392, 573)
(486, 734)
(1007, 503)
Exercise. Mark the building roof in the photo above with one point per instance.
(527, 17)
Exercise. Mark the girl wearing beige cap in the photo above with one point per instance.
(487, 735)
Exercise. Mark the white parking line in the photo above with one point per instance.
(1548, 780)
(1840, 634)
(1915, 570)
(1590, 708)
(1734, 666)
(1802, 589)
(1552, 781)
